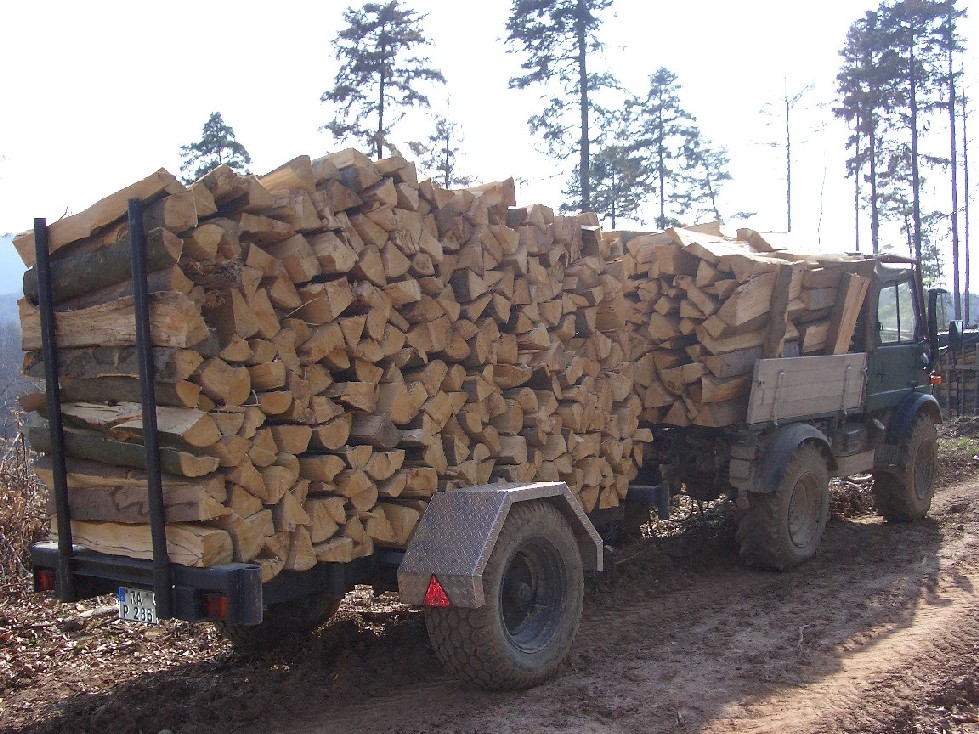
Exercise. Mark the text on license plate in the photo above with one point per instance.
(137, 605)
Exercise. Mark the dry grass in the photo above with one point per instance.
(23, 509)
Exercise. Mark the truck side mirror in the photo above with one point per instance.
(935, 301)
(955, 336)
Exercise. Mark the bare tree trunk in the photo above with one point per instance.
(874, 200)
(788, 166)
(858, 167)
(585, 159)
(378, 144)
(915, 172)
(965, 175)
(954, 160)
(615, 194)
(661, 170)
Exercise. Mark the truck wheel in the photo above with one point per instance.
(783, 528)
(533, 584)
(281, 621)
(906, 495)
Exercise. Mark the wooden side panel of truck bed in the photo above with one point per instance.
(794, 387)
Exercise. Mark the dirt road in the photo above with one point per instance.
(879, 633)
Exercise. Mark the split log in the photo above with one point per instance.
(91, 446)
(174, 322)
(84, 224)
(84, 272)
(187, 545)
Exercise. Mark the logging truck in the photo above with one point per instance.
(339, 375)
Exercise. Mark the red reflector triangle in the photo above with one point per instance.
(435, 595)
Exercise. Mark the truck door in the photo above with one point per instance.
(898, 364)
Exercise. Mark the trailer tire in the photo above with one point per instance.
(533, 584)
(905, 496)
(280, 622)
(781, 529)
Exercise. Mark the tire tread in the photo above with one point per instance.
(467, 640)
(762, 532)
(894, 493)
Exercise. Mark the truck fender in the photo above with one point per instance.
(458, 531)
(899, 426)
(776, 455)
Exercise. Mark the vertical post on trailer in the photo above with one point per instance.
(162, 585)
(49, 346)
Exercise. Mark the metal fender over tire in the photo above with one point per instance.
(781, 529)
(281, 621)
(533, 583)
(906, 495)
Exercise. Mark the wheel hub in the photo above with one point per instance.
(533, 587)
(804, 511)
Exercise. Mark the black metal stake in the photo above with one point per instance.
(49, 346)
(162, 585)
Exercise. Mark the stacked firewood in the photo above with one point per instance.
(333, 343)
(959, 369)
(703, 308)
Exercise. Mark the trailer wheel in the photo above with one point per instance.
(906, 495)
(280, 622)
(781, 529)
(533, 584)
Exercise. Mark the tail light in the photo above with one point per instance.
(45, 579)
(215, 606)
(936, 379)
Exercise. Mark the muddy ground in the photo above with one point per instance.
(879, 633)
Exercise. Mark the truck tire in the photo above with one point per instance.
(906, 495)
(281, 621)
(533, 584)
(781, 529)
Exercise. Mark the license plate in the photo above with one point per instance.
(137, 605)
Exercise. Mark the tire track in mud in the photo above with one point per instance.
(706, 645)
(882, 667)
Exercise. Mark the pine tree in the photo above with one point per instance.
(379, 73)
(705, 172)
(863, 92)
(893, 80)
(914, 33)
(217, 146)
(620, 182)
(952, 44)
(439, 154)
(665, 132)
(559, 37)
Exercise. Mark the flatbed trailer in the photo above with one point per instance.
(499, 568)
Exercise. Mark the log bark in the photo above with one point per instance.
(76, 274)
(104, 212)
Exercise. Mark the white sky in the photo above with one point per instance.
(97, 95)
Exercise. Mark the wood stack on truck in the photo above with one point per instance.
(706, 308)
(361, 377)
(959, 368)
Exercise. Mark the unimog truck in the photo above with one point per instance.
(499, 567)
(809, 418)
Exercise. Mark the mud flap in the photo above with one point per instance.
(457, 534)
(778, 452)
